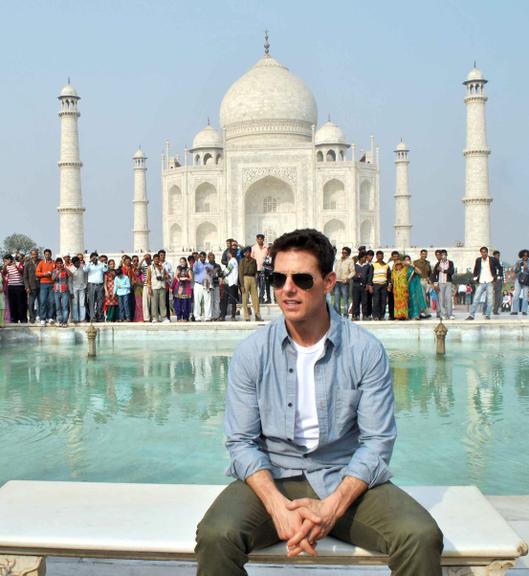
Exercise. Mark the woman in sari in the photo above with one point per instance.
(416, 302)
(399, 286)
(111, 305)
(137, 289)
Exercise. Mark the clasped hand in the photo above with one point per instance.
(303, 522)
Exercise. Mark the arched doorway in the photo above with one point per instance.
(365, 233)
(206, 198)
(268, 205)
(206, 237)
(334, 195)
(175, 237)
(365, 195)
(335, 232)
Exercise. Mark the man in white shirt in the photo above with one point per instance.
(485, 273)
(259, 252)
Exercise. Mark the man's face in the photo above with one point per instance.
(156, 260)
(296, 304)
(67, 261)
(93, 259)
(77, 263)
(211, 258)
(162, 257)
(148, 259)
(202, 258)
(228, 243)
(369, 257)
(234, 246)
(34, 255)
(47, 255)
(424, 254)
(438, 255)
(103, 259)
(444, 256)
(345, 254)
(484, 253)
(380, 257)
(260, 240)
(59, 265)
(394, 257)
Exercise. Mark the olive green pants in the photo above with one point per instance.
(385, 518)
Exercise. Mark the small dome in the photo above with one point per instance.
(69, 90)
(139, 154)
(330, 133)
(475, 74)
(209, 137)
(401, 146)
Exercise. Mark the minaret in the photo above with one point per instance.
(71, 225)
(141, 226)
(402, 198)
(477, 198)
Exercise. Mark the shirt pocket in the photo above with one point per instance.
(346, 408)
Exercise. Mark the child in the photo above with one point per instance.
(110, 307)
(122, 290)
(182, 291)
(62, 288)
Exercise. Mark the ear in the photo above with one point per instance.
(329, 282)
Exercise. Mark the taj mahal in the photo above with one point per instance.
(271, 168)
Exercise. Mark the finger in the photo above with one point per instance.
(315, 534)
(293, 504)
(308, 548)
(306, 527)
(309, 515)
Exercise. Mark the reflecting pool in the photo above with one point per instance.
(152, 412)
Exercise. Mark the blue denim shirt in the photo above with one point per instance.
(354, 401)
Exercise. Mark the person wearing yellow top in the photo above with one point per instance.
(381, 275)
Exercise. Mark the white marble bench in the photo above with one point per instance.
(158, 522)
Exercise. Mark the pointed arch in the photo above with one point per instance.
(175, 237)
(334, 195)
(331, 156)
(174, 200)
(207, 236)
(366, 195)
(335, 231)
(366, 233)
(206, 198)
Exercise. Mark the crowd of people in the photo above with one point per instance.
(150, 288)
(77, 289)
(405, 289)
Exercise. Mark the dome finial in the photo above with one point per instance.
(68, 80)
(329, 117)
(475, 64)
(267, 44)
(209, 123)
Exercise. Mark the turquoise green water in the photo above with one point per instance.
(152, 412)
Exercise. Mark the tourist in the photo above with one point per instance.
(215, 273)
(259, 251)
(521, 283)
(62, 291)
(469, 294)
(442, 280)
(423, 268)
(137, 289)
(146, 296)
(226, 255)
(248, 284)
(399, 288)
(96, 269)
(379, 286)
(344, 268)
(122, 289)
(79, 284)
(268, 269)
(13, 272)
(128, 270)
(191, 262)
(417, 307)
(506, 301)
(370, 255)
(485, 274)
(303, 468)
(231, 277)
(498, 285)
(156, 280)
(182, 291)
(362, 279)
(395, 257)
(169, 272)
(111, 302)
(43, 272)
(461, 293)
(2, 304)
(32, 285)
(201, 289)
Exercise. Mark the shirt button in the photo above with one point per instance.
(289, 439)
(291, 370)
(305, 455)
(290, 404)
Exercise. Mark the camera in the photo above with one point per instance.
(159, 278)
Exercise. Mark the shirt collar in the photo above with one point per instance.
(334, 334)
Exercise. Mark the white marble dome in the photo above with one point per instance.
(401, 146)
(330, 133)
(475, 74)
(139, 154)
(268, 99)
(69, 90)
(209, 137)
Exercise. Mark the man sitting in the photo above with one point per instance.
(310, 429)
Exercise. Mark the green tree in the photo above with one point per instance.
(20, 242)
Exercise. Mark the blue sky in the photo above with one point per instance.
(148, 71)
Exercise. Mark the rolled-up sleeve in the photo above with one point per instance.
(376, 420)
(242, 422)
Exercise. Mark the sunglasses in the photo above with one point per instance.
(302, 280)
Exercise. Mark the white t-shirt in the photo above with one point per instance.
(307, 428)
